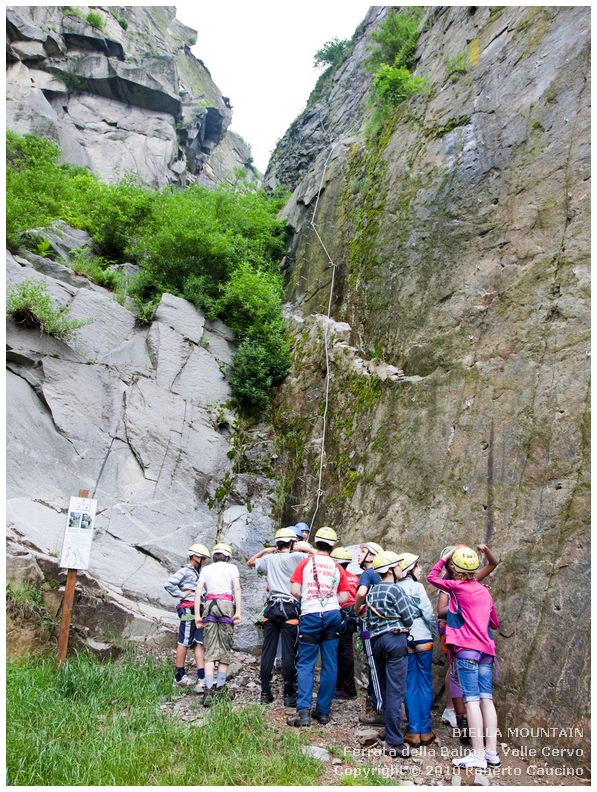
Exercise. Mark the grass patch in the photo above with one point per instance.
(98, 724)
(31, 306)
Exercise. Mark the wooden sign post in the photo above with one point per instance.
(67, 605)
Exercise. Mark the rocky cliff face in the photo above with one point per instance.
(125, 97)
(138, 416)
(459, 338)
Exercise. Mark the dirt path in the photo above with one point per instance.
(351, 752)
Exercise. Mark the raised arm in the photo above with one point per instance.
(435, 576)
(260, 554)
(492, 562)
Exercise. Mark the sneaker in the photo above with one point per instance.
(449, 717)
(493, 760)
(470, 762)
(427, 739)
(302, 717)
(320, 717)
(185, 681)
(208, 697)
(397, 751)
(266, 697)
(200, 687)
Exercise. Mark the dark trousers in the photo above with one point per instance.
(391, 661)
(273, 630)
(345, 679)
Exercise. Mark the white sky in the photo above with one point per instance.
(261, 56)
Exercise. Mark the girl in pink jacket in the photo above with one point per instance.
(471, 617)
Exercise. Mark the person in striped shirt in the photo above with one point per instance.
(389, 618)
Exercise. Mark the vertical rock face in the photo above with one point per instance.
(459, 397)
(127, 96)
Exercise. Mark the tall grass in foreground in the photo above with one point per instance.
(99, 724)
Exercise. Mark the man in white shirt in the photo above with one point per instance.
(222, 611)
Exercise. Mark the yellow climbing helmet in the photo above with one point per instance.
(384, 561)
(407, 561)
(225, 549)
(326, 535)
(373, 548)
(199, 550)
(465, 559)
(285, 535)
(341, 554)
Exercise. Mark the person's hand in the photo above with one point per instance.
(189, 594)
(236, 619)
(199, 623)
(448, 556)
(481, 548)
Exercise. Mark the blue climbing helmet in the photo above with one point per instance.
(300, 527)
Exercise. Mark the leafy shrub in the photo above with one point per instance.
(72, 11)
(31, 305)
(393, 85)
(333, 53)
(95, 19)
(250, 378)
(396, 39)
(217, 248)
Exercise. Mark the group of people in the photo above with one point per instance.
(314, 607)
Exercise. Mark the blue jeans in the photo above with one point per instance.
(419, 696)
(312, 639)
(391, 662)
(476, 678)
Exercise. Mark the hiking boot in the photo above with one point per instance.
(266, 697)
(302, 717)
(290, 699)
(396, 751)
(461, 730)
(208, 698)
(414, 740)
(372, 719)
(470, 762)
(449, 717)
(200, 687)
(427, 739)
(185, 681)
(320, 717)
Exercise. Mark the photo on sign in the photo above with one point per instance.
(86, 521)
(74, 519)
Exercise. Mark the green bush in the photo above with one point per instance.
(72, 11)
(333, 53)
(219, 248)
(394, 85)
(250, 378)
(95, 19)
(396, 39)
(31, 305)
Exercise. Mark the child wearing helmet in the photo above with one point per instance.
(281, 612)
(221, 584)
(182, 585)
(345, 684)
(470, 619)
(419, 692)
(454, 713)
(369, 577)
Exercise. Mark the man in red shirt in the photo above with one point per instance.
(322, 587)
